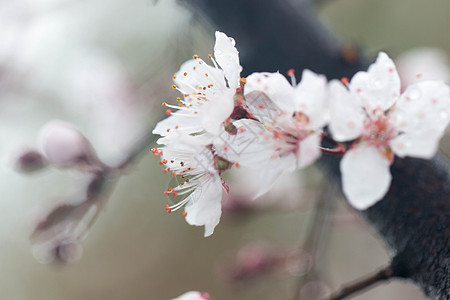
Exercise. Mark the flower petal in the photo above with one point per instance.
(275, 86)
(310, 98)
(247, 146)
(272, 171)
(215, 112)
(261, 107)
(193, 295)
(227, 57)
(309, 150)
(181, 121)
(195, 74)
(204, 206)
(365, 176)
(379, 87)
(346, 113)
(421, 116)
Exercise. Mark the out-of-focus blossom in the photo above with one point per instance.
(194, 295)
(63, 145)
(384, 123)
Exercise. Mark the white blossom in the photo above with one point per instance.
(384, 122)
(198, 187)
(286, 128)
(193, 295)
(208, 92)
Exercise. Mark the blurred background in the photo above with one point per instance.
(106, 67)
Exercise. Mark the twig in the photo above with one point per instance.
(316, 236)
(363, 284)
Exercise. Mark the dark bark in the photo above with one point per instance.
(414, 217)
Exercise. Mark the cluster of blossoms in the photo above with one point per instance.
(268, 124)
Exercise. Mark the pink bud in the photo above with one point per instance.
(63, 145)
(26, 160)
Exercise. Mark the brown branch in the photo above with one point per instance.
(363, 284)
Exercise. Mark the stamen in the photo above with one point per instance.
(213, 61)
(291, 73)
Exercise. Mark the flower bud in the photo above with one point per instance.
(64, 146)
(27, 161)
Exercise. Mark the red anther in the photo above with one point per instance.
(290, 72)
(175, 193)
(174, 86)
(161, 152)
(169, 210)
(170, 188)
(160, 162)
(164, 161)
(164, 170)
(237, 165)
(168, 112)
(167, 207)
(344, 80)
(184, 214)
(195, 56)
(174, 174)
(166, 193)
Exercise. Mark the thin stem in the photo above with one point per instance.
(363, 284)
(316, 236)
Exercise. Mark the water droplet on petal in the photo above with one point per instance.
(377, 83)
(414, 94)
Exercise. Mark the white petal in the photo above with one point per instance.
(421, 116)
(204, 206)
(248, 146)
(227, 57)
(379, 87)
(261, 106)
(365, 176)
(193, 295)
(182, 121)
(275, 86)
(63, 144)
(310, 98)
(309, 150)
(346, 113)
(214, 113)
(271, 171)
(191, 77)
(419, 64)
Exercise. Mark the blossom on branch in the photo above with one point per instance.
(285, 126)
(208, 91)
(384, 123)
